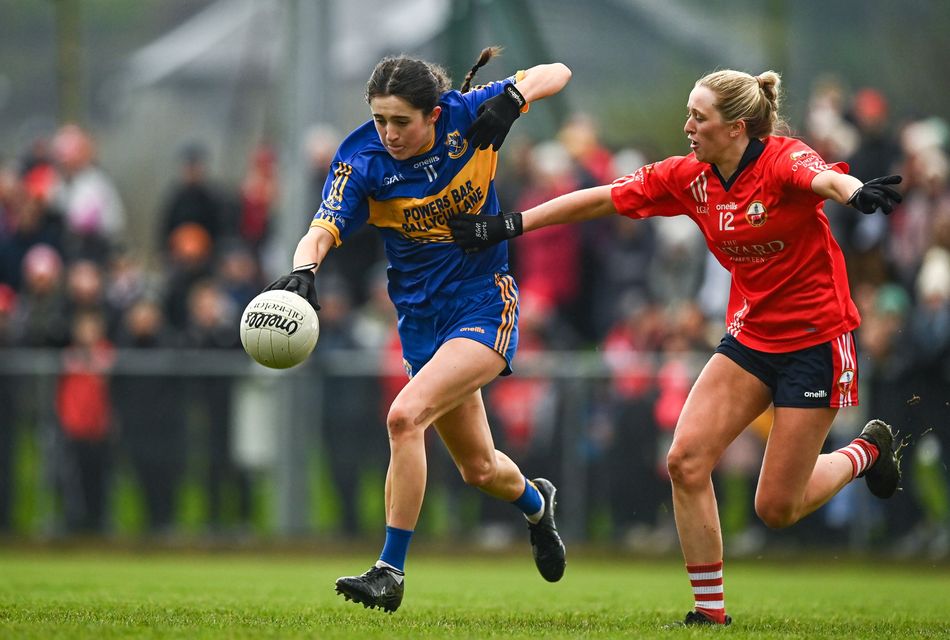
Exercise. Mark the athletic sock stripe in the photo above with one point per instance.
(862, 455)
(708, 575)
(705, 599)
(855, 467)
(706, 583)
(715, 608)
(859, 454)
(711, 589)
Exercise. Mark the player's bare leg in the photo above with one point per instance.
(455, 373)
(722, 403)
(791, 486)
(795, 480)
(468, 438)
(451, 378)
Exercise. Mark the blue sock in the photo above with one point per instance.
(396, 547)
(530, 501)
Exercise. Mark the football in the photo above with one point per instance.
(279, 329)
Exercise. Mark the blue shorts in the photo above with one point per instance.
(484, 309)
(825, 375)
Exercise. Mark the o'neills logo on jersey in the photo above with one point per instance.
(426, 162)
(756, 214)
(456, 144)
(845, 380)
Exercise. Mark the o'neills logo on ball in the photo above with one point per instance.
(259, 320)
(756, 214)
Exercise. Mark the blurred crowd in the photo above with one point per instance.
(645, 300)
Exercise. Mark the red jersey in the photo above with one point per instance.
(767, 227)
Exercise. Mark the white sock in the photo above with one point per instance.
(397, 574)
(535, 518)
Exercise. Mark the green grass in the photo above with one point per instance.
(85, 594)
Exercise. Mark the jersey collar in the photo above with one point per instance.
(753, 151)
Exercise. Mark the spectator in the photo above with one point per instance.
(258, 195)
(593, 161)
(8, 414)
(350, 424)
(634, 480)
(152, 417)
(26, 219)
(189, 262)
(85, 292)
(239, 274)
(93, 211)
(84, 408)
(192, 200)
(212, 325)
(40, 319)
(548, 263)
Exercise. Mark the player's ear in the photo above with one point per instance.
(737, 128)
(433, 116)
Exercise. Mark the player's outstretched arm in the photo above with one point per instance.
(311, 250)
(497, 114)
(476, 232)
(867, 197)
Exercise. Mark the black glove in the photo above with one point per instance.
(875, 194)
(495, 117)
(299, 281)
(474, 233)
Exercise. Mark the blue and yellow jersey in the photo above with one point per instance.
(410, 202)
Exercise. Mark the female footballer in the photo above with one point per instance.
(428, 154)
(757, 197)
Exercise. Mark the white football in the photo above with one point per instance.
(279, 329)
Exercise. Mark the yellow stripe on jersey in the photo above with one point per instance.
(329, 226)
(426, 219)
(507, 285)
(341, 174)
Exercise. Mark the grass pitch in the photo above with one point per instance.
(70, 594)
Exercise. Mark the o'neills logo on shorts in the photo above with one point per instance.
(258, 320)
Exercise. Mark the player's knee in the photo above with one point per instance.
(687, 469)
(775, 514)
(478, 472)
(401, 422)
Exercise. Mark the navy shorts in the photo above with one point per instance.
(484, 309)
(825, 375)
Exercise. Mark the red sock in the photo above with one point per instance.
(862, 455)
(706, 580)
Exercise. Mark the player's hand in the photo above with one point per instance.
(475, 232)
(495, 117)
(299, 281)
(876, 194)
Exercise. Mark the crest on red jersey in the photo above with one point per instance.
(756, 214)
